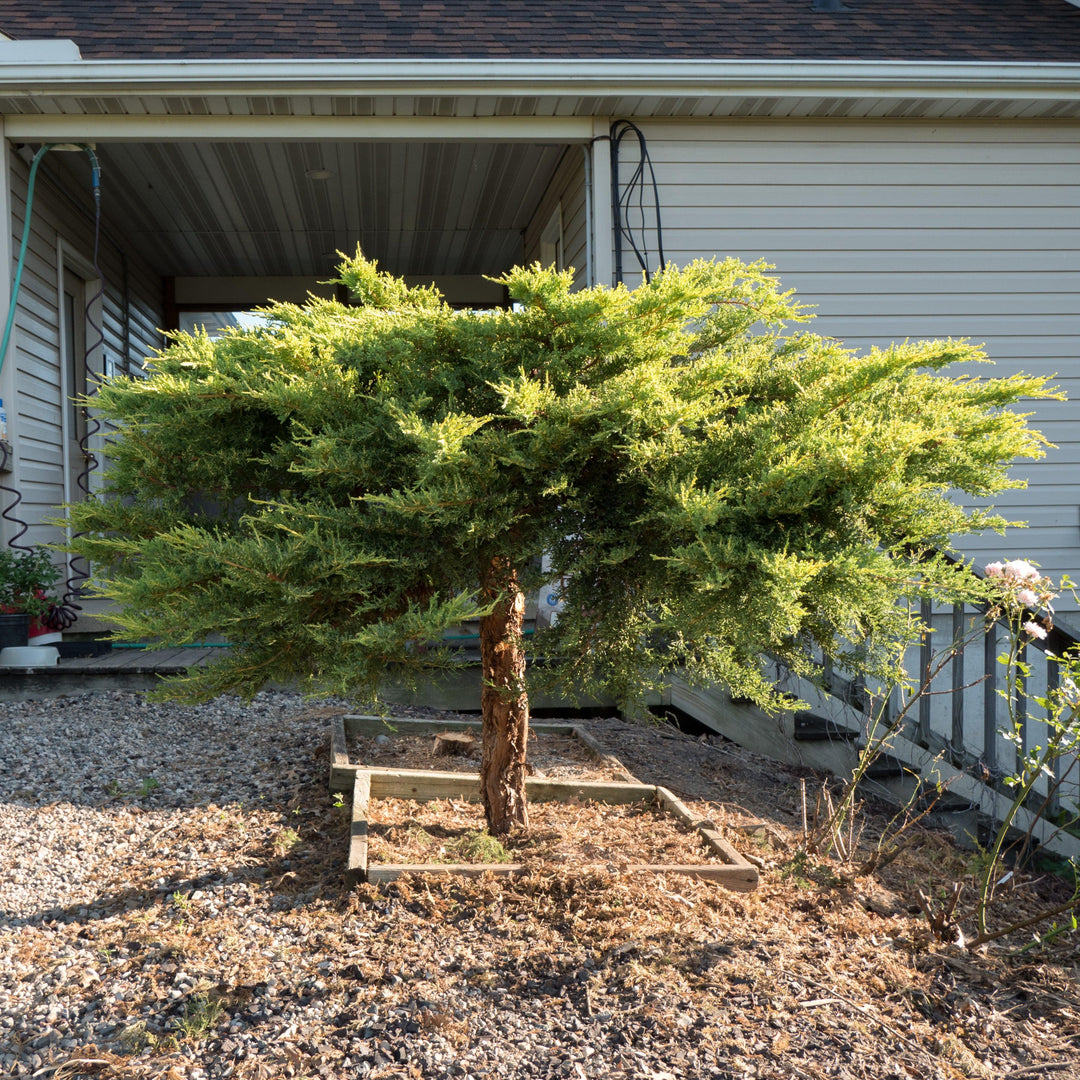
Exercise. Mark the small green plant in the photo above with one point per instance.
(418, 834)
(794, 870)
(477, 846)
(339, 800)
(200, 1017)
(806, 872)
(284, 841)
(137, 1037)
(181, 908)
(979, 862)
(147, 787)
(134, 1037)
(26, 580)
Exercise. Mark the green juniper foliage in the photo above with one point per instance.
(709, 486)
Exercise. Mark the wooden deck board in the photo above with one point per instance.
(118, 669)
(111, 661)
(143, 660)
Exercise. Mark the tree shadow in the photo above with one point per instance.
(300, 855)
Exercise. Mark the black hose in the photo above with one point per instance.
(632, 197)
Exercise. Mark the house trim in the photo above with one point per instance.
(893, 78)
(83, 128)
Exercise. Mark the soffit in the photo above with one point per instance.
(911, 105)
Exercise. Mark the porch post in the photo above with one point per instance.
(9, 460)
(601, 239)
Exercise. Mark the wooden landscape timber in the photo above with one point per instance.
(341, 727)
(358, 830)
(705, 828)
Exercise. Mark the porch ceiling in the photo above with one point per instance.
(269, 208)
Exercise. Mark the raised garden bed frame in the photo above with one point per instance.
(367, 783)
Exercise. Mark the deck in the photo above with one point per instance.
(117, 669)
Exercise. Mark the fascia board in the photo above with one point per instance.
(487, 77)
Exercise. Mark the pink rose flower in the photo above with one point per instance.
(1035, 630)
(994, 569)
(1020, 570)
(1027, 598)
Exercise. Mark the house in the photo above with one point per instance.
(913, 169)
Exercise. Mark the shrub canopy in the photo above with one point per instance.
(709, 485)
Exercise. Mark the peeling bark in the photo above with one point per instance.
(504, 703)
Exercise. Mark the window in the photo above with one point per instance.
(551, 241)
(216, 323)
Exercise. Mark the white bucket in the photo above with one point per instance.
(29, 656)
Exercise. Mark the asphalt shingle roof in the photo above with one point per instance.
(1016, 30)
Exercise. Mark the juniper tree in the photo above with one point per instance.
(337, 490)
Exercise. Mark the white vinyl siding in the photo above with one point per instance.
(910, 230)
(567, 189)
(35, 417)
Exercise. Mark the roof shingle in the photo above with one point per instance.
(1016, 30)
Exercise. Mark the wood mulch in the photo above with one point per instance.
(239, 914)
(574, 834)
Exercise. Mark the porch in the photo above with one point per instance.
(111, 669)
(201, 229)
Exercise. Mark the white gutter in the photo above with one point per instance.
(494, 77)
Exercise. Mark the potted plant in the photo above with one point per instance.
(26, 578)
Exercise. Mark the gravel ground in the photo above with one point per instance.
(127, 828)
(172, 905)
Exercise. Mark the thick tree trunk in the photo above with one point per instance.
(504, 702)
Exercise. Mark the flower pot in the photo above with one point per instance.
(14, 630)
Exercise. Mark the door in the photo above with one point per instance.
(81, 359)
